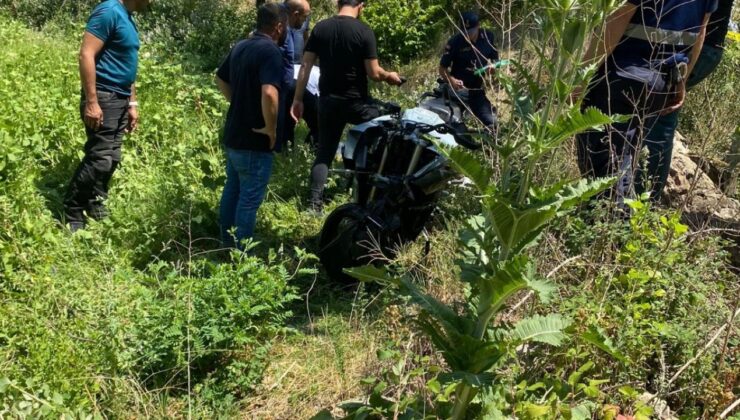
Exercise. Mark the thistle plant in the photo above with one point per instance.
(494, 260)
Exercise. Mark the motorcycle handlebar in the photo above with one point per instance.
(464, 139)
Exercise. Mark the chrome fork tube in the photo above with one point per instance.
(383, 161)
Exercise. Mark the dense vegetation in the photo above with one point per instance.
(142, 315)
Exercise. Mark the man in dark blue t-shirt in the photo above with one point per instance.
(251, 78)
(465, 53)
(645, 54)
(109, 59)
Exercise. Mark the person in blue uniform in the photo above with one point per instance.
(644, 55)
(292, 50)
(660, 139)
(464, 54)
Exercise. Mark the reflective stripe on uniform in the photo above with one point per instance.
(661, 36)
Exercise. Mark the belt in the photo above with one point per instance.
(661, 36)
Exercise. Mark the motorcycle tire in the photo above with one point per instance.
(341, 242)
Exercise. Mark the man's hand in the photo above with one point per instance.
(677, 102)
(93, 115)
(393, 79)
(133, 120)
(456, 84)
(271, 133)
(296, 111)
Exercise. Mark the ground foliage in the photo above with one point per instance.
(143, 315)
(140, 301)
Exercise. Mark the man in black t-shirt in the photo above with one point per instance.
(348, 53)
(250, 78)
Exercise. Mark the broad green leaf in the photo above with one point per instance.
(371, 274)
(544, 289)
(544, 329)
(574, 36)
(4, 384)
(471, 167)
(518, 228)
(495, 291)
(478, 381)
(581, 412)
(462, 352)
(435, 308)
(597, 337)
(574, 122)
(575, 377)
(533, 411)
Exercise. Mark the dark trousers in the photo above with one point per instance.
(334, 115)
(89, 186)
(482, 108)
(660, 139)
(615, 151)
(311, 117)
(286, 131)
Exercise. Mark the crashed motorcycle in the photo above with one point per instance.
(397, 176)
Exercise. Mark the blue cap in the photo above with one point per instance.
(470, 20)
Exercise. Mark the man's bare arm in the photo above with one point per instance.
(91, 47)
(133, 111)
(699, 44)
(444, 73)
(224, 87)
(604, 43)
(379, 74)
(309, 60)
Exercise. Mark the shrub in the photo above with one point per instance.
(404, 29)
(213, 315)
(655, 297)
(204, 30)
(38, 13)
(710, 134)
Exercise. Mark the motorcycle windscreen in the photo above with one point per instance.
(357, 134)
(424, 116)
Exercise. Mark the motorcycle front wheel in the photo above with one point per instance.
(344, 241)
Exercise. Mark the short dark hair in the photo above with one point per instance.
(352, 3)
(269, 15)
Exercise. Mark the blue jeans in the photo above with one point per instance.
(247, 176)
(659, 140)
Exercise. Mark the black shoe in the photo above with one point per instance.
(75, 226)
(316, 208)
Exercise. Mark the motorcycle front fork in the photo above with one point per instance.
(415, 158)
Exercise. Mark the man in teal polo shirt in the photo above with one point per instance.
(109, 58)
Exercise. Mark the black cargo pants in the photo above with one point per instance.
(88, 189)
(334, 115)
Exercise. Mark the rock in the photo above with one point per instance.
(661, 409)
(704, 204)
